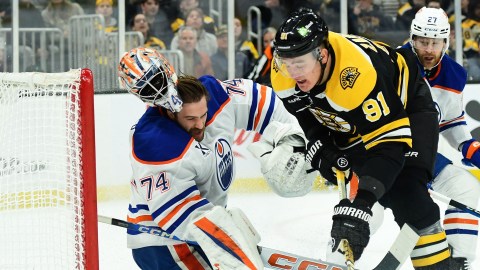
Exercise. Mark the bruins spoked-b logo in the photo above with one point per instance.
(348, 76)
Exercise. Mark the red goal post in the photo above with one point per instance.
(48, 201)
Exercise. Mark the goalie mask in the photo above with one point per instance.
(148, 75)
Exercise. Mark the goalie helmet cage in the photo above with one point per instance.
(48, 203)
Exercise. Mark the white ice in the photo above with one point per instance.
(295, 225)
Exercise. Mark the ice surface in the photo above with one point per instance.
(296, 225)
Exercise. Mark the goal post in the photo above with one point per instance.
(48, 205)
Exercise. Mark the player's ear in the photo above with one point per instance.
(323, 56)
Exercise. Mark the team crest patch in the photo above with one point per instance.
(348, 76)
(224, 159)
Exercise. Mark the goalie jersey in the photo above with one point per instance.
(175, 178)
(447, 81)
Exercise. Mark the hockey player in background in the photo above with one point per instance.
(429, 40)
(183, 164)
(366, 102)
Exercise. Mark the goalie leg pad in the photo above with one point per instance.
(224, 242)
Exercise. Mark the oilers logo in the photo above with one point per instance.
(224, 159)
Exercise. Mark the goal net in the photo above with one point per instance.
(48, 216)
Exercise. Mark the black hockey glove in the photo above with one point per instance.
(327, 160)
(350, 221)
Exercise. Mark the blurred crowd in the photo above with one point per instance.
(185, 25)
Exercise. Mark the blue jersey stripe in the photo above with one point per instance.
(269, 114)
(461, 123)
(253, 109)
(185, 215)
(461, 231)
(137, 208)
(174, 200)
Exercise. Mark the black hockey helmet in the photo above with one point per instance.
(301, 33)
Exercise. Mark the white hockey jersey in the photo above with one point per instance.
(447, 85)
(176, 178)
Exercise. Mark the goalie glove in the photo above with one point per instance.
(327, 161)
(471, 153)
(280, 151)
(351, 222)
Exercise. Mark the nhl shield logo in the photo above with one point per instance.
(348, 76)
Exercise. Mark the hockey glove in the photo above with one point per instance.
(471, 153)
(351, 222)
(327, 160)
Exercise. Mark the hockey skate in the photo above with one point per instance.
(460, 264)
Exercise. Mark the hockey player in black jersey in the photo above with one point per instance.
(365, 101)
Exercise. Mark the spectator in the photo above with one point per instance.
(206, 42)
(5, 13)
(58, 12)
(260, 72)
(105, 8)
(406, 13)
(132, 8)
(196, 63)
(279, 12)
(434, 4)
(281, 8)
(244, 45)
(185, 6)
(158, 18)
(140, 24)
(220, 58)
(268, 36)
(367, 19)
(470, 34)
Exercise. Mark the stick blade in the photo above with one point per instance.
(400, 250)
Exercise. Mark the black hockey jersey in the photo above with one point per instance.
(365, 98)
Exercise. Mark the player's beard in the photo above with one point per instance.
(197, 133)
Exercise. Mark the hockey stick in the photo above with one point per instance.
(349, 259)
(454, 203)
(272, 258)
(401, 248)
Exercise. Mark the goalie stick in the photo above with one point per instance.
(454, 203)
(272, 258)
(277, 259)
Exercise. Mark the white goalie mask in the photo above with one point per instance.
(148, 75)
(431, 23)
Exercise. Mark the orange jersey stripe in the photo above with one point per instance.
(217, 112)
(460, 220)
(139, 219)
(213, 230)
(447, 89)
(263, 94)
(187, 257)
(451, 121)
(177, 209)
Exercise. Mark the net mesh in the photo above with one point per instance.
(41, 219)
